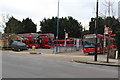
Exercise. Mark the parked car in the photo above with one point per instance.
(19, 46)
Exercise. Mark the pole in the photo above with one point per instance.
(108, 49)
(65, 40)
(57, 28)
(96, 26)
(104, 43)
(109, 35)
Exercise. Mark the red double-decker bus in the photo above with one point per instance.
(89, 42)
(67, 43)
(31, 39)
(47, 40)
(50, 35)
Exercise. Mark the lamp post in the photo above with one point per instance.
(57, 28)
(96, 27)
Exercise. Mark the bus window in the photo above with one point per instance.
(30, 42)
(49, 43)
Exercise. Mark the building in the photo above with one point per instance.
(119, 10)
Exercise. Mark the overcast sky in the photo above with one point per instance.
(37, 10)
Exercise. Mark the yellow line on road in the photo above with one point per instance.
(20, 52)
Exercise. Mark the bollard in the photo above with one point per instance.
(33, 48)
(53, 49)
(34, 51)
(116, 55)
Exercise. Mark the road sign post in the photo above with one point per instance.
(104, 44)
(66, 36)
(108, 53)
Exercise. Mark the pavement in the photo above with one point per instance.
(101, 61)
(80, 57)
(50, 65)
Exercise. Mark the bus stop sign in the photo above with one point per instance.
(110, 31)
(66, 35)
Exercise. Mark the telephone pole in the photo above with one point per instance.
(96, 32)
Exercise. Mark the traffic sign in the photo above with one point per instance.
(56, 37)
(110, 31)
(66, 35)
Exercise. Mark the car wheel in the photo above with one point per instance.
(42, 46)
(13, 50)
(19, 49)
(26, 48)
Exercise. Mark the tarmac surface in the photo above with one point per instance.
(76, 56)
(52, 65)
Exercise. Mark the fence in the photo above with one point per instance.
(66, 49)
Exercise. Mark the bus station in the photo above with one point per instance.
(77, 39)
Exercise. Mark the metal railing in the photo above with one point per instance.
(63, 49)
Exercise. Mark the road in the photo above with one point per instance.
(22, 65)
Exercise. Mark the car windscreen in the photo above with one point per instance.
(89, 40)
(19, 44)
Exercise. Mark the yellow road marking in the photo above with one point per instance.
(20, 52)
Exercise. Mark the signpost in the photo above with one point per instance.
(105, 32)
(109, 32)
(66, 36)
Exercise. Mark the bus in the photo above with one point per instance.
(61, 43)
(77, 41)
(47, 40)
(49, 35)
(89, 42)
(31, 39)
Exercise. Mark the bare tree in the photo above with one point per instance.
(109, 10)
(5, 18)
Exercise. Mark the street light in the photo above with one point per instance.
(57, 28)
(96, 26)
